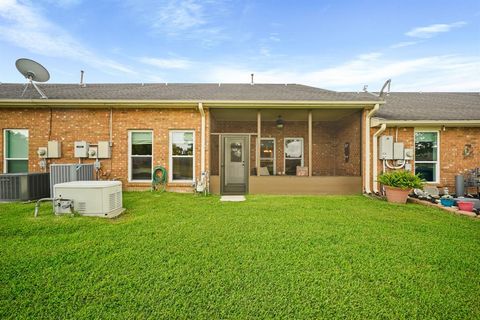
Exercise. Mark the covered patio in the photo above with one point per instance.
(286, 151)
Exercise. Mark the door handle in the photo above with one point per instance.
(243, 163)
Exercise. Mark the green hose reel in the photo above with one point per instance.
(159, 180)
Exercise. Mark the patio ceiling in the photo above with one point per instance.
(286, 114)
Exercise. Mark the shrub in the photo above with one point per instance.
(401, 179)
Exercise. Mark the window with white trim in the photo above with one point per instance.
(15, 143)
(293, 151)
(182, 155)
(140, 155)
(267, 154)
(427, 155)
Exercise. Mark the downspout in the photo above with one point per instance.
(375, 155)
(110, 142)
(367, 146)
(202, 139)
(110, 129)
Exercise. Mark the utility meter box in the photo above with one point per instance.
(398, 151)
(81, 149)
(409, 154)
(385, 148)
(42, 152)
(93, 152)
(104, 151)
(54, 149)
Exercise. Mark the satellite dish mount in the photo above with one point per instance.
(386, 86)
(33, 72)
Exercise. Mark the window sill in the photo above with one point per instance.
(180, 184)
(140, 181)
(176, 182)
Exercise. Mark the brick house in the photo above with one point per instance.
(250, 138)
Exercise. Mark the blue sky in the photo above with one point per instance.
(338, 45)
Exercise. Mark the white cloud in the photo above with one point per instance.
(154, 78)
(274, 37)
(175, 16)
(180, 15)
(443, 73)
(64, 3)
(432, 30)
(23, 26)
(264, 51)
(432, 73)
(369, 56)
(182, 19)
(403, 44)
(167, 63)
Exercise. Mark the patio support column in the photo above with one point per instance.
(310, 142)
(259, 134)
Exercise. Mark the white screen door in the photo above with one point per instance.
(234, 160)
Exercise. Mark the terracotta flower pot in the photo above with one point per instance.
(397, 195)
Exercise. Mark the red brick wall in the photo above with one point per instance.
(92, 125)
(348, 130)
(323, 151)
(452, 142)
(452, 160)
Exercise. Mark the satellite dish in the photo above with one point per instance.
(33, 71)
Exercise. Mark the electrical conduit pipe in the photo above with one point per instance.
(375, 156)
(395, 167)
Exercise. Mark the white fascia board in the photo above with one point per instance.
(92, 103)
(376, 122)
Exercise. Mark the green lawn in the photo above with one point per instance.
(180, 256)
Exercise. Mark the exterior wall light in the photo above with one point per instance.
(279, 123)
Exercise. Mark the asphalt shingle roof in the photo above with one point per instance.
(431, 106)
(183, 91)
(398, 106)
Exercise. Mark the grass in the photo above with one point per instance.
(180, 256)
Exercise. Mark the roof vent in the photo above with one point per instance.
(365, 88)
(251, 82)
(82, 84)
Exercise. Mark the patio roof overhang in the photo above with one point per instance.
(287, 114)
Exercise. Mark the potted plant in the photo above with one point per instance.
(399, 183)
(447, 200)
